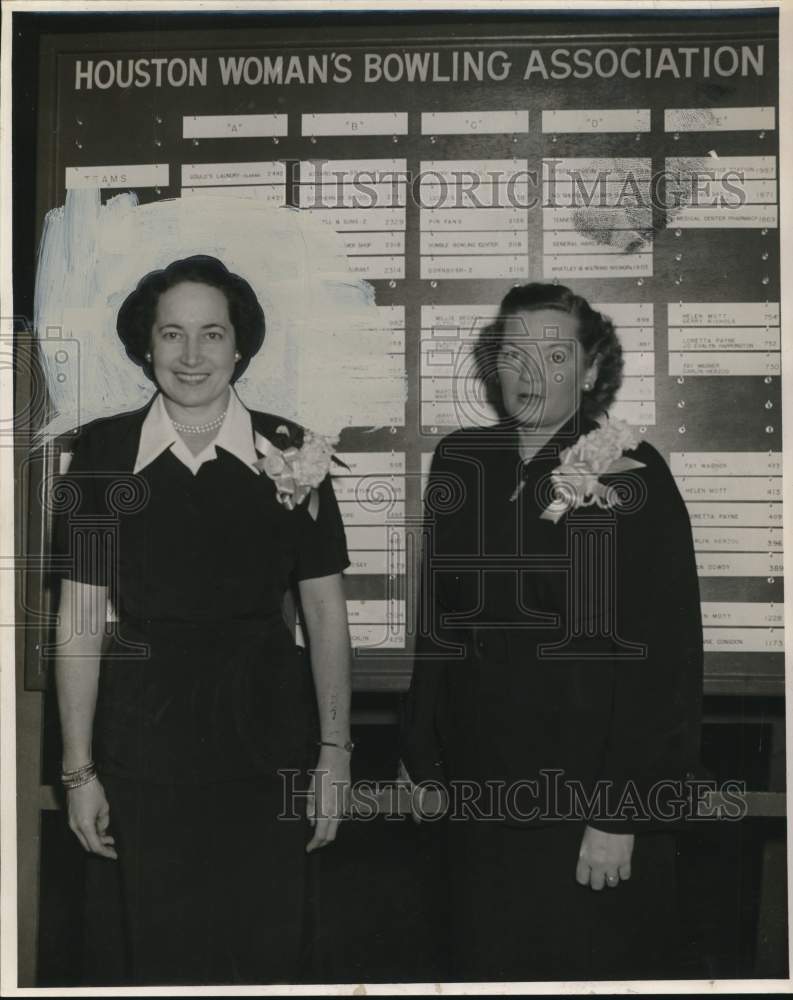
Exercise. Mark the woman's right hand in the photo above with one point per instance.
(89, 818)
(427, 801)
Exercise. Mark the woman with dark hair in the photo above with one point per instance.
(188, 737)
(556, 693)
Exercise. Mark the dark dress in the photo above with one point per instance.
(557, 682)
(204, 699)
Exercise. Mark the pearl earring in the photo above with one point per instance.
(237, 355)
(587, 386)
(147, 355)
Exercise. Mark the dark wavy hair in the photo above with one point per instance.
(136, 315)
(596, 334)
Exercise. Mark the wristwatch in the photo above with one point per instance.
(349, 746)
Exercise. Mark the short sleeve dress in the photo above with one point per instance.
(202, 683)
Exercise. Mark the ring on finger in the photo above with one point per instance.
(612, 879)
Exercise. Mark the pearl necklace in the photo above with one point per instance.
(200, 428)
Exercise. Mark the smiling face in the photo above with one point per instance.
(542, 368)
(193, 350)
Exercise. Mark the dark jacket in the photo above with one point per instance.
(565, 654)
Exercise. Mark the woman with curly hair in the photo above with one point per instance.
(555, 700)
(189, 736)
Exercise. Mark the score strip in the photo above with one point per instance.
(724, 338)
(234, 126)
(609, 120)
(468, 228)
(134, 175)
(591, 241)
(369, 123)
(474, 122)
(719, 119)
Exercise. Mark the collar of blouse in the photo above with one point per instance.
(235, 436)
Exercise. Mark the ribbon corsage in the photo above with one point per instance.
(576, 480)
(296, 472)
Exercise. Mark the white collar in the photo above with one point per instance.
(235, 436)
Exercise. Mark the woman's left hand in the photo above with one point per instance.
(328, 796)
(604, 858)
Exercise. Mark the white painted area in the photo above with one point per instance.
(361, 194)
(378, 267)
(272, 195)
(314, 364)
(388, 318)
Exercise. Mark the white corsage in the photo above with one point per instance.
(296, 472)
(576, 481)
